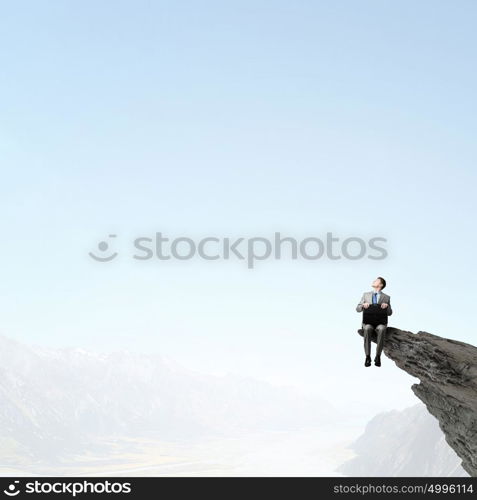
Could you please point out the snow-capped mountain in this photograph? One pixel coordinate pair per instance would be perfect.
(403, 443)
(55, 401)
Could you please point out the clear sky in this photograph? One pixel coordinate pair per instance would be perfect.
(238, 118)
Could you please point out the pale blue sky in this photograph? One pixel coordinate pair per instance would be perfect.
(238, 118)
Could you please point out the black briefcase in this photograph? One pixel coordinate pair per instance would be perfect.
(375, 315)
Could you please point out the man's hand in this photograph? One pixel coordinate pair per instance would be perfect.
(384, 306)
(366, 305)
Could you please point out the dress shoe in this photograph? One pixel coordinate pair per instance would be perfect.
(367, 362)
(377, 361)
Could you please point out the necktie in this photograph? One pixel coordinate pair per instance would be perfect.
(375, 298)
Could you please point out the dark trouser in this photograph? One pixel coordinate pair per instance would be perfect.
(368, 334)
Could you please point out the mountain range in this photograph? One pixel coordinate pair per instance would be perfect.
(403, 443)
(54, 402)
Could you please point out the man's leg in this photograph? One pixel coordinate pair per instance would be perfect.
(380, 335)
(368, 331)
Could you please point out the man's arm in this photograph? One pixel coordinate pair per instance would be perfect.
(359, 307)
(389, 308)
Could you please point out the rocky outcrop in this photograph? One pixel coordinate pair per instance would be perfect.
(447, 370)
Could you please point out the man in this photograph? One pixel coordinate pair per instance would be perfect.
(382, 300)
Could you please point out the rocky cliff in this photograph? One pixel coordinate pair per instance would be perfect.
(447, 370)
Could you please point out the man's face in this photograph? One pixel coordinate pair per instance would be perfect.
(377, 285)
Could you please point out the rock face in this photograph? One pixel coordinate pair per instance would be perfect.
(447, 370)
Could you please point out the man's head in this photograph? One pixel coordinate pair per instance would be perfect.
(378, 284)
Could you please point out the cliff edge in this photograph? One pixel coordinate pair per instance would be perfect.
(447, 370)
